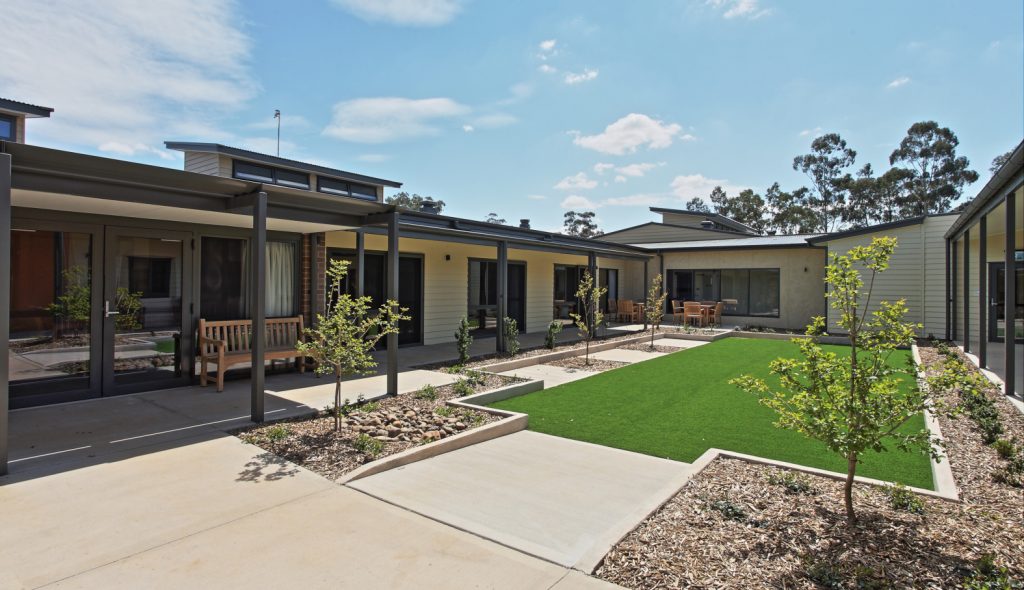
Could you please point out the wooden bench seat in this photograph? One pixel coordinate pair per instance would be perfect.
(229, 342)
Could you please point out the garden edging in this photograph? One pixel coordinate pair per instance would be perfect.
(528, 361)
(511, 422)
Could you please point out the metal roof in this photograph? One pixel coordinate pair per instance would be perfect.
(1011, 174)
(794, 241)
(717, 218)
(216, 148)
(859, 231)
(24, 108)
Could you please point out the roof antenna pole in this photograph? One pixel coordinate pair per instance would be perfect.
(277, 115)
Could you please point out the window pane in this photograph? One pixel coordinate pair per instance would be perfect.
(224, 280)
(280, 282)
(6, 127)
(292, 179)
(735, 293)
(247, 171)
(332, 186)
(51, 291)
(764, 292)
(364, 191)
(705, 285)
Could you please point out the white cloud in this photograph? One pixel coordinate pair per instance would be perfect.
(687, 186)
(536, 197)
(287, 122)
(585, 76)
(749, 9)
(578, 202)
(811, 132)
(517, 93)
(467, 128)
(637, 169)
(373, 157)
(547, 45)
(620, 178)
(418, 13)
(601, 167)
(126, 75)
(631, 132)
(494, 120)
(576, 181)
(635, 200)
(384, 119)
(901, 81)
(547, 69)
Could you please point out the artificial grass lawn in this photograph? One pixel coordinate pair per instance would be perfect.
(679, 405)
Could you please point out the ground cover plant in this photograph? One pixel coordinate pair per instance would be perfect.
(679, 405)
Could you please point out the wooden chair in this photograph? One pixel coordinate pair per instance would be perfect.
(692, 311)
(627, 310)
(613, 310)
(677, 311)
(229, 342)
(715, 317)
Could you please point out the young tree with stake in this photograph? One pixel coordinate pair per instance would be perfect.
(589, 316)
(654, 309)
(343, 340)
(852, 403)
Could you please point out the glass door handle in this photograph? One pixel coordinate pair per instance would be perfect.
(106, 310)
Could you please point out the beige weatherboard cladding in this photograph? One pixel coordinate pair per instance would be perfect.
(446, 278)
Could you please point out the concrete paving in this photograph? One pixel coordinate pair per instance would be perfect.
(679, 343)
(625, 355)
(558, 499)
(551, 375)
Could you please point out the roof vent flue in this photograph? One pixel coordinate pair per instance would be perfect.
(428, 205)
(707, 224)
(524, 223)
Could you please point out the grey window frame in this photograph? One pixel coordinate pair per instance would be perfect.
(274, 175)
(347, 191)
(747, 269)
(14, 127)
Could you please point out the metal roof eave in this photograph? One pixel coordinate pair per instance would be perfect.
(1007, 179)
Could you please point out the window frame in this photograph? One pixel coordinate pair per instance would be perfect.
(274, 175)
(718, 273)
(14, 127)
(347, 191)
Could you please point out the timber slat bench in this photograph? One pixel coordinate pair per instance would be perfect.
(229, 342)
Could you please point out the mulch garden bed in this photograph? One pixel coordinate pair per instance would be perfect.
(489, 359)
(741, 525)
(646, 347)
(578, 363)
(376, 429)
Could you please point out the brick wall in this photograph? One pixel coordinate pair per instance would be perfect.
(313, 288)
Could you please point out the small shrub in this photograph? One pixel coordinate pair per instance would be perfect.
(901, 498)
(989, 576)
(368, 445)
(825, 574)
(729, 509)
(794, 483)
(277, 433)
(445, 411)
(511, 333)
(427, 392)
(463, 387)
(553, 330)
(463, 339)
(1013, 472)
(471, 417)
(474, 377)
(368, 407)
(1005, 448)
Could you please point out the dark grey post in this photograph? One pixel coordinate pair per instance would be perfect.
(360, 259)
(952, 290)
(949, 299)
(502, 295)
(392, 285)
(5, 301)
(1010, 288)
(314, 279)
(982, 293)
(967, 291)
(592, 269)
(647, 285)
(258, 311)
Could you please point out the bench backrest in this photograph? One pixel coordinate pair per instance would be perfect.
(282, 333)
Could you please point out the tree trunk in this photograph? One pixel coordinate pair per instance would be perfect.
(851, 470)
(586, 358)
(337, 403)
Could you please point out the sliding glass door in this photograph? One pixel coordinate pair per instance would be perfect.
(482, 303)
(998, 305)
(410, 288)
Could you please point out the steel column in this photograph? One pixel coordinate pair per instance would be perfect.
(592, 269)
(647, 287)
(1010, 289)
(5, 301)
(502, 295)
(360, 259)
(392, 285)
(953, 292)
(982, 293)
(258, 309)
(967, 291)
(949, 295)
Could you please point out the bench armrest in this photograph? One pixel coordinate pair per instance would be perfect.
(203, 340)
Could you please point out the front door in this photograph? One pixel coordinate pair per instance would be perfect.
(146, 309)
(997, 310)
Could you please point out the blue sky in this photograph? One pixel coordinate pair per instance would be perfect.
(523, 108)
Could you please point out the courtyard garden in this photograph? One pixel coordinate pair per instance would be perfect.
(679, 405)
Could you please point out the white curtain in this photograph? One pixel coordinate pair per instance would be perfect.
(280, 284)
